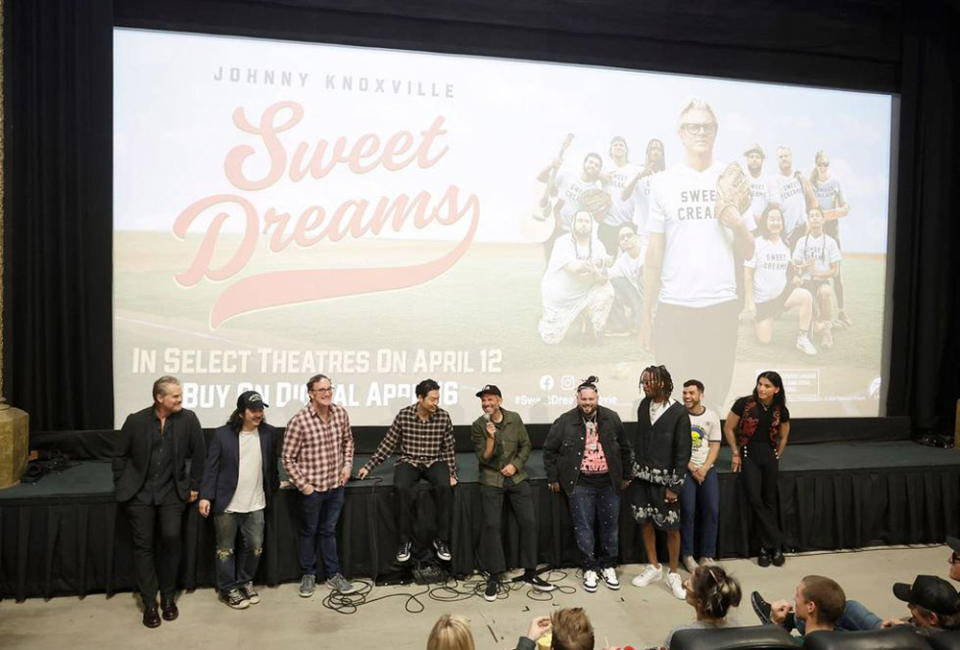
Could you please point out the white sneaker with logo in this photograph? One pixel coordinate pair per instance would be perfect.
(676, 585)
(649, 574)
(610, 577)
(590, 580)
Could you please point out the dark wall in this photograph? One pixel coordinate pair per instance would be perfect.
(57, 321)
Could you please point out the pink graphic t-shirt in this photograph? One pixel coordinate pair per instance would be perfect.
(594, 460)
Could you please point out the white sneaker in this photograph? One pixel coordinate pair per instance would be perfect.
(689, 563)
(676, 585)
(648, 575)
(804, 345)
(590, 580)
(610, 577)
(707, 561)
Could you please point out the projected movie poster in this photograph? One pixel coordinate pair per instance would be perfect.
(285, 209)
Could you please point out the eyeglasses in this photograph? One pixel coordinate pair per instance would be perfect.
(693, 128)
(322, 390)
(823, 164)
(954, 558)
(626, 235)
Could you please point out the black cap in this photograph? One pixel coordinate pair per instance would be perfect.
(251, 400)
(930, 592)
(954, 543)
(491, 390)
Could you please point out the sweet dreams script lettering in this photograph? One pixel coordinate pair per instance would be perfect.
(353, 218)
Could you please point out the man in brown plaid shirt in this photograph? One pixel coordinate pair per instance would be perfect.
(318, 457)
(424, 433)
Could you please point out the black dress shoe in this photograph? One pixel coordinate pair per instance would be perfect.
(778, 558)
(761, 607)
(151, 618)
(764, 558)
(169, 608)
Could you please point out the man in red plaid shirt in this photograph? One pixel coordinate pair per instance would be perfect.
(424, 434)
(318, 457)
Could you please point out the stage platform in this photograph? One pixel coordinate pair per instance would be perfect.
(64, 534)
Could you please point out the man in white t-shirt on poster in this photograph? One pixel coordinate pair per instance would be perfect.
(639, 185)
(816, 257)
(690, 269)
(794, 194)
(700, 496)
(570, 186)
(623, 203)
(626, 276)
(835, 207)
(761, 186)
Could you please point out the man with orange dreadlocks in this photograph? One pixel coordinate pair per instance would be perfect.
(661, 450)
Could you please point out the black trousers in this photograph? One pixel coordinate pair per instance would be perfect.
(759, 471)
(699, 342)
(156, 571)
(405, 478)
(491, 540)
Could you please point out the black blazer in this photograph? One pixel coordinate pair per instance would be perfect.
(132, 455)
(223, 465)
(563, 448)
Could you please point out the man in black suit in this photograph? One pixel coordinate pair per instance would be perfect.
(151, 481)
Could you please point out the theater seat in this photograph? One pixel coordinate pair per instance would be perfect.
(945, 640)
(758, 637)
(901, 637)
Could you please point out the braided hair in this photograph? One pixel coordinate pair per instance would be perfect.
(661, 381)
(714, 592)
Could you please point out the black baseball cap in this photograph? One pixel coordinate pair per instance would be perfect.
(491, 390)
(954, 543)
(930, 592)
(251, 400)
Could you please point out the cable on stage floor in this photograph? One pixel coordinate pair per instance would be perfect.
(451, 591)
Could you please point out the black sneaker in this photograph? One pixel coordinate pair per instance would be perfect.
(443, 551)
(493, 587)
(537, 582)
(778, 558)
(403, 553)
(761, 607)
(764, 558)
(234, 599)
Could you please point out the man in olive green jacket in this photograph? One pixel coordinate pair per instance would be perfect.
(503, 446)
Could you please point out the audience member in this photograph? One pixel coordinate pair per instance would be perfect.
(568, 629)
(451, 632)
(954, 558)
(933, 603)
(853, 617)
(711, 592)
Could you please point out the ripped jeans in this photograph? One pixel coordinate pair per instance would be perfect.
(237, 563)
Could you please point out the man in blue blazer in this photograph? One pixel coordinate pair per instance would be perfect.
(238, 485)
